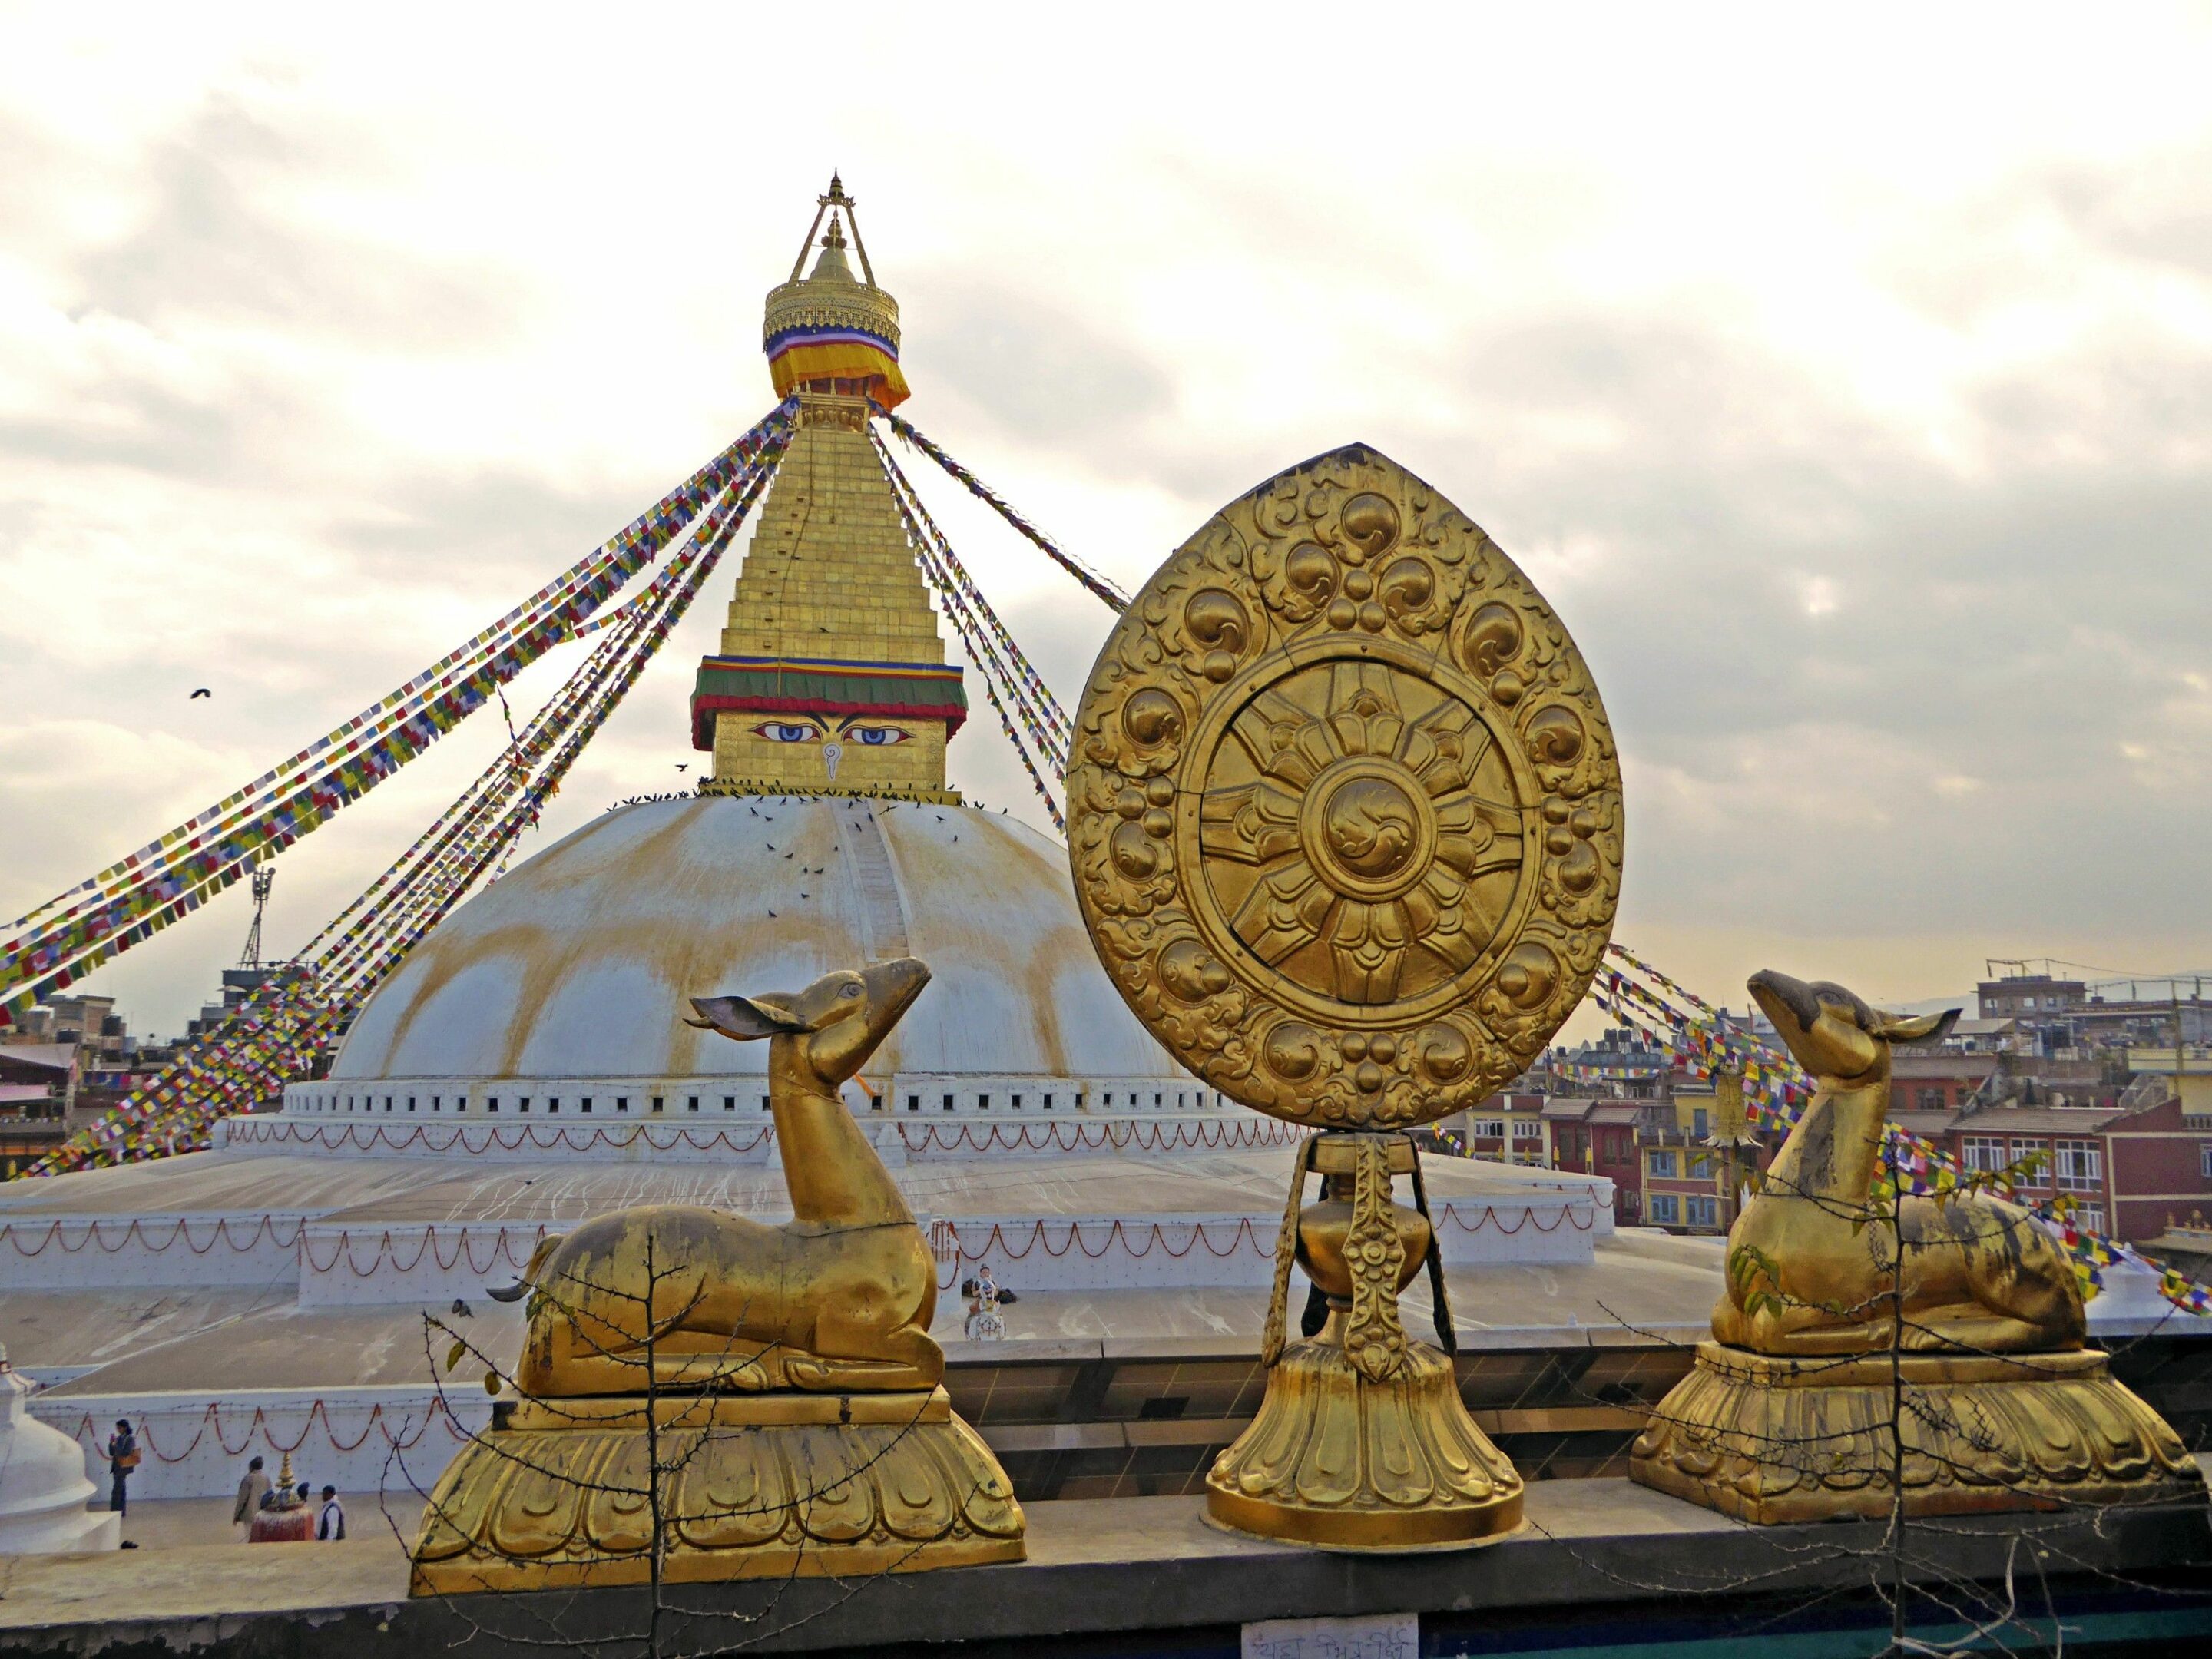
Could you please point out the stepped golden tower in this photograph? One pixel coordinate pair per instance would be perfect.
(831, 678)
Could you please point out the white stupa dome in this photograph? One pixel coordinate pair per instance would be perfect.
(570, 977)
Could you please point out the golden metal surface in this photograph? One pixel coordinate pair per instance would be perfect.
(1829, 1349)
(774, 1388)
(1338, 1460)
(1344, 807)
(1979, 1276)
(564, 1504)
(838, 1299)
(1345, 821)
(1772, 1439)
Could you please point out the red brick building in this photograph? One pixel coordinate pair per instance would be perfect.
(2128, 1170)
(1599, 1137)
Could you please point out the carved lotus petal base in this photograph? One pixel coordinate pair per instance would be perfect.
(555, 1494)
(1336, 1460)
(1774, 1440)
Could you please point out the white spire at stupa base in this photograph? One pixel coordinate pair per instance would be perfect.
(43, 1489)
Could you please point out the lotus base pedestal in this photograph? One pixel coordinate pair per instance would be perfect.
(1773, 1440)
(1339, 1460)
(559, 1492)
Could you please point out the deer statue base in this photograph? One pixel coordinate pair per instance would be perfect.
(1362, 1442)
(562, 1494)
(701, 1396)
(1774, 1439)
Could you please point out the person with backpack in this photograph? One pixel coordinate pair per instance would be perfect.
(122, 1458)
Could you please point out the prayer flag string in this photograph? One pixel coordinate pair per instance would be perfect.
(1096, 583)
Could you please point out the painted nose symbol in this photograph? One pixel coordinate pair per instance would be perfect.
(831, 754)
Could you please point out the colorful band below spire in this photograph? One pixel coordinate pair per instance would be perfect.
(781, 685)
(797, 357)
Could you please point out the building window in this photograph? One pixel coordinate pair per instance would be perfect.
(1018, 1102)
(622, 1103)
(1528, 1130)
(588, 1103)
(1047, 1103)
(1699, 1165)
(1927, 1100)
(2081, 1165)
(914, 1103)
(763, 1102)
(1662, 1165)
(692, 1102)
(2204, 1160)
(1489, 1128)
(1984, 1154)
(492, 1105)
(729, 1103)
(554, 1104)
(526, 1102)
(656, 1102)
(1703, 1211)
(983, 1102)
(1666, 1209)
(948, 1103)
(2092, 1217)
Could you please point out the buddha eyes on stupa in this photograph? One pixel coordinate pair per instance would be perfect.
(785, 731)
(877, 737)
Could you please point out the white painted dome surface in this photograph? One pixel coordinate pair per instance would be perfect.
(579, 963)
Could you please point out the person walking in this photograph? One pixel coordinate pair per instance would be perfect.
(330, 1525)
(252, 1493)
(122, 1458)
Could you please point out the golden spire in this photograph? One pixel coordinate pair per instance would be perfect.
(832, 677)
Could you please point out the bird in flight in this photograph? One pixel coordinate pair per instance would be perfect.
(202, 692)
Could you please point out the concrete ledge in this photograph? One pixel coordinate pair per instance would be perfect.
(1105, 1576)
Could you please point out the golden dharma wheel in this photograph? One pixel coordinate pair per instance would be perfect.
(1344, 807)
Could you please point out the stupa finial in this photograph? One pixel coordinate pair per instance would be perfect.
(830, 331)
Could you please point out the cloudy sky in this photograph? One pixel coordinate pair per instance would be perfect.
(1844, 378)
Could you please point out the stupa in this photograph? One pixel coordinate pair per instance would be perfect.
(826, 836)
(528, 1065)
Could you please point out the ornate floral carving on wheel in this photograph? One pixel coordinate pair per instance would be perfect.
(1344, 808)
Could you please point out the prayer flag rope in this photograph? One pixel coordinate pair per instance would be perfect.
(1097, 584)
(1046, 725)
(287, 1023)
(172, 877)
(1023, 683)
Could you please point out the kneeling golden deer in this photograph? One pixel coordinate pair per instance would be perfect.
(837, 1300)
(1814, 1262)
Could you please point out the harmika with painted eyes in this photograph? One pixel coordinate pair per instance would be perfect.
(868, 737)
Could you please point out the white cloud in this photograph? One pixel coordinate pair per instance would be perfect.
(1857, 417)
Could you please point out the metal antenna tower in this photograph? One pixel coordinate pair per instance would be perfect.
(264, 879)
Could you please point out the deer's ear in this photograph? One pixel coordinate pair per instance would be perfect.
(1919, 1028)
(742, 1017)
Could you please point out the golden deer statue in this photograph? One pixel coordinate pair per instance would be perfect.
(1812, 1259)
(837, 1300)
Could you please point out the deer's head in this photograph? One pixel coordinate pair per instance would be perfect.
(1832, 1032)
(826, 1032)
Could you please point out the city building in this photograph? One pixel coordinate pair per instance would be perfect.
(1598, 1136)
(37, 1088)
